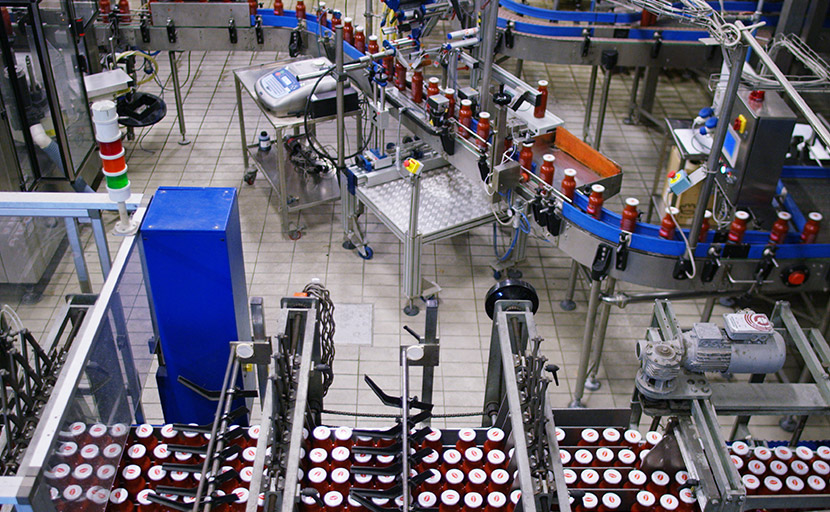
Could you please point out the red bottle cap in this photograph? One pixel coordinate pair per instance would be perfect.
(669, 502)
(646, 499)
(633, 437)
(589, 477)
(627, 457)
(450, 498)
(611, 500)
(427, 499)
(590, 435)
(473, 500)
(740, 448)
(496, 500)
(751, 482)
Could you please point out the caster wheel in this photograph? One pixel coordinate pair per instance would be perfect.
(366, 253)
(295, 234)
(510, 289)
(567, 305)
(593, 384)
(249, 177)
(496, 275)
(348, 245)
(514, 273)
(411, 310)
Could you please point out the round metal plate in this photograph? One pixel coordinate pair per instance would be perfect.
(510, 289)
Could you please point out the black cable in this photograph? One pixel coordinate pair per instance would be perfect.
(312, 139)
(326, 330)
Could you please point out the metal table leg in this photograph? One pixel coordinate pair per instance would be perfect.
(174, 74)
(633, 109)
(240, 113)
(412, 251)
(100, 235)
(587, 338)
(707, 309)
(592, 384)
(568, 303)
(603, 104)
(73, 234)
(589, 105)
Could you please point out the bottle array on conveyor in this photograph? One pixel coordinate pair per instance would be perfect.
(116, 467)
(782, 470)
(604, 469)
(469, 476)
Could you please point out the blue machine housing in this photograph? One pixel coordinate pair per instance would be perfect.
(191, 246)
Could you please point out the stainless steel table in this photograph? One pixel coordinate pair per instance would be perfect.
(295, 190)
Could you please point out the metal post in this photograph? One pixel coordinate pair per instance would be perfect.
(241, 116)
(101, 240)
(589, 105)
(368, 16)
(412, 251)
(632, 101)
(603, 104)
(486, 54)
(174, 74)
(592, 383)
(568, 303)
(405, 423)
(73, 235)
(720, 135)
(520, 64)
(587, 338)
(707, 309)
(341, 129)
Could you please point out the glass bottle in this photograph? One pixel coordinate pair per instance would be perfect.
(628, 220)
(811, 228)
(526, 156)
(483, 130)
(547, 169)
(400, 76)
(450, 95)
(322, 14)
(539, 110)
(433, 87)
(568, 185)
(465, 118)
(299, 10)
(124, 10)
(279, 8)
(738, 227)
(704, 226)
(417, 86)
(360, 39)
(667, 225)
(348, 31)
(595, 201)
(645, 502)
(336, 19)
(372, 46)
(779, 229)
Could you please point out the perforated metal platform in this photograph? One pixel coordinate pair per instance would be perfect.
(449, 204)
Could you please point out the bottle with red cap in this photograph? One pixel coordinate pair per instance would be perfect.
(340, 480)
(98, 434)
(433, 483)
(680, 479)
(737, 462)
(341, 457)
(570, 477)
(452, 459)
(68, 452)
(473, 459)
(119, 500)
(762, 453)
(778, 468)
(643, 502)
(157, 476)
(363, 481)
(568, 185)
(794, 485)
(565, 456)
(539, 110)
(450, 501)
(821, 468)
(595, 201)
(433, 440)
(430, 461)
(105, 474)
(757, 468)
(799, 468)
(465, 118)
(333, 500)
(483, 130)
(496, 459)
(317, 479)
(132, 478)
(778, 233)
(515, 497)
(383, 482)
(738, 227)
(427, 499)
(145, 434)
(741, 449)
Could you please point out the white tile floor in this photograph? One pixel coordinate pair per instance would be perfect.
(276, 266)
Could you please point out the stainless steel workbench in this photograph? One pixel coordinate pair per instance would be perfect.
(295, 190)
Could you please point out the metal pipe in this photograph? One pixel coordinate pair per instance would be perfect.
(603, 104)
(568, 302)
(805, 109)
(174, 75)
(592, 383)
(368, 16)
(341, 109)
(720, 135)
(405, 428)
(621, 300)
(589, 105)
(587, 339)
(486, 53)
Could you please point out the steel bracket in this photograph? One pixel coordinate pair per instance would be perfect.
(232, 31)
